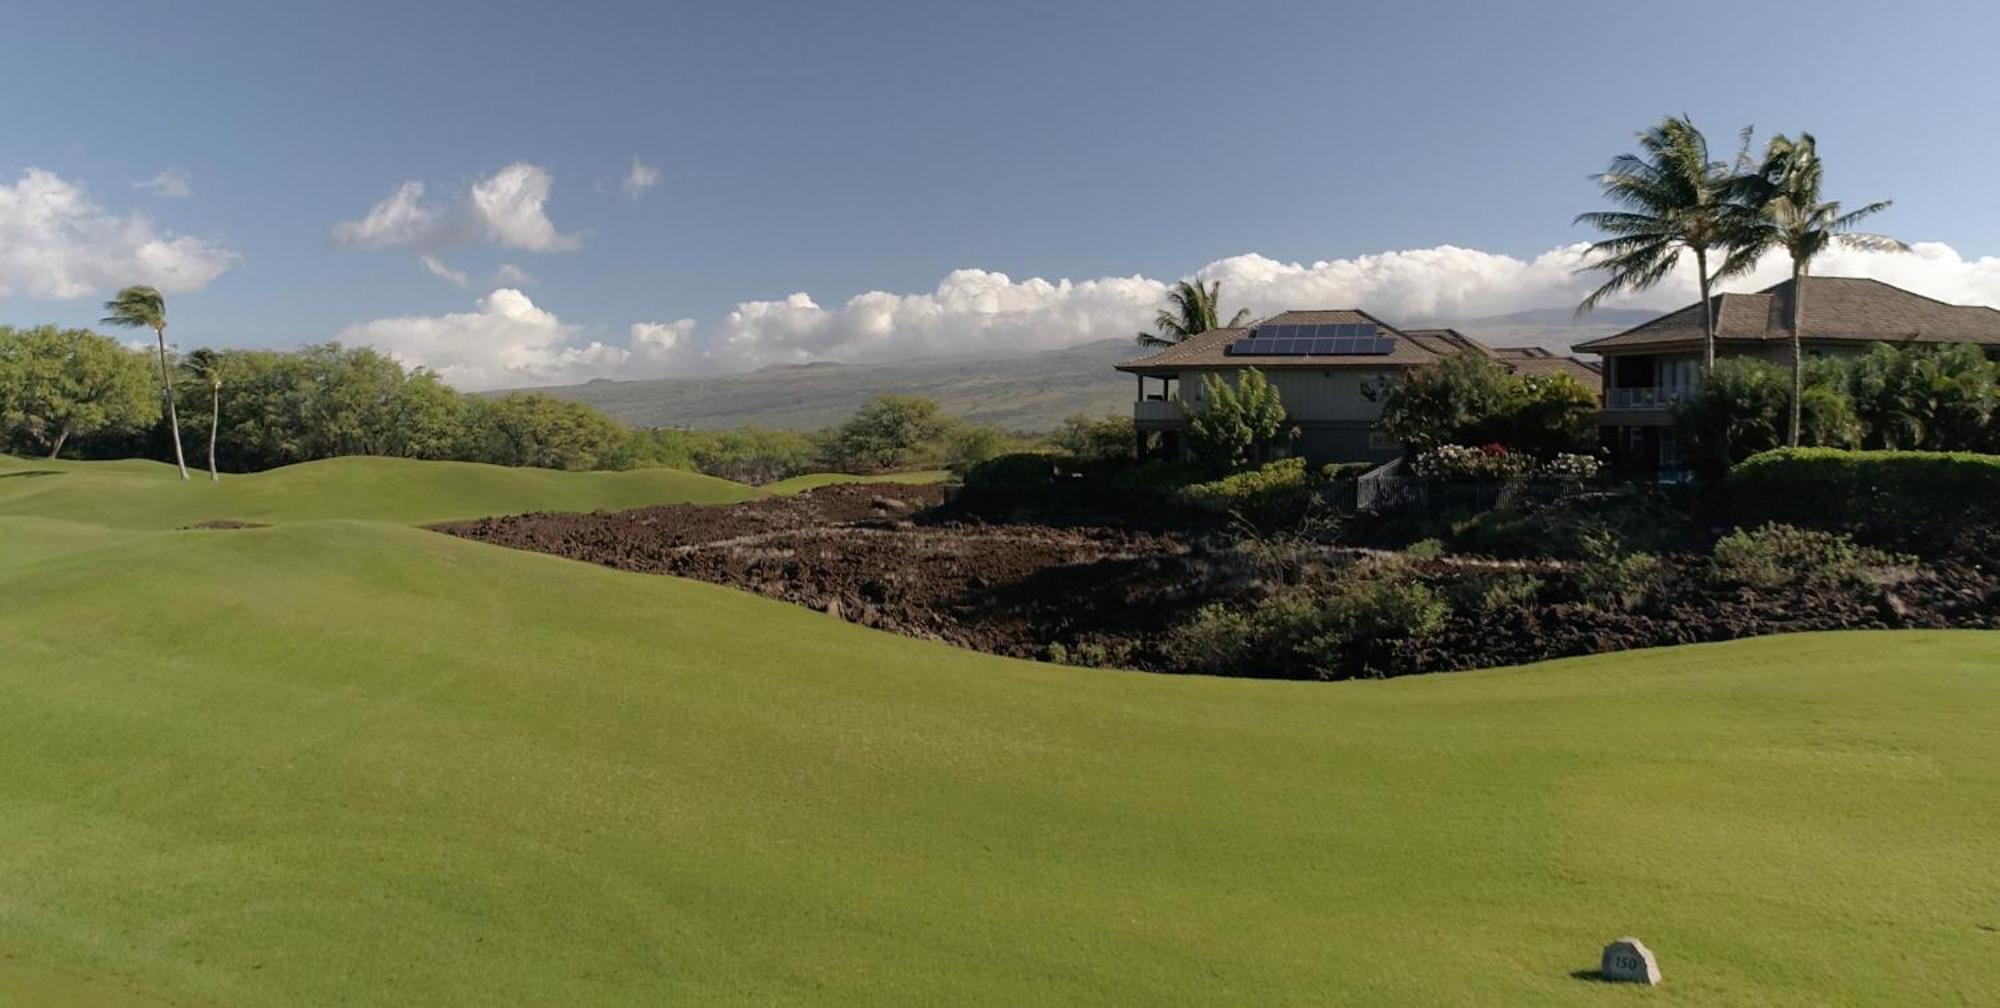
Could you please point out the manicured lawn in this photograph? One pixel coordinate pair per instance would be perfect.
(141, 494)
(337, 762)
(811, 481)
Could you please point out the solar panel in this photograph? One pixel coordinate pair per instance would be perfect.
(1341, 340)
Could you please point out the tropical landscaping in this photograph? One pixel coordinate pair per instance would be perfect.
(329, 683)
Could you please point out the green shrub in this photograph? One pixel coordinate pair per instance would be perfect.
(1775, 556)
(1240, 422)
(1322, 631)
(1276, 489)
(1904, 494)
(1489, 592)
(1091, 654)
(1425, 549)
(1612, 579)
(1216, 640)
(1009, 481)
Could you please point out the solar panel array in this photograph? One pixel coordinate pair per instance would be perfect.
(1344, 339)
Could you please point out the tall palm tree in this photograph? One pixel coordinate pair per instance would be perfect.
(146, 308)
(1194, 309)
(207, 366)
(1794, 218)
(1674, 198)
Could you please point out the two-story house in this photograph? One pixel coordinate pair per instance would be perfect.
(1651, 367)
(1331, 369)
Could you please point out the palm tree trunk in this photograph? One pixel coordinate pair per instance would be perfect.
(214, 419)
(56, 449)
(167, 393)
(1707, 312)
(1798, 347)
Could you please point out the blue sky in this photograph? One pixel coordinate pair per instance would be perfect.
(808, 148)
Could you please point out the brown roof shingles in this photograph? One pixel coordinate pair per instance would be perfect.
(1838, 309)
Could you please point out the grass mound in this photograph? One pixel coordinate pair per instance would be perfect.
(142, 494)
(345, 762)
(813, 481)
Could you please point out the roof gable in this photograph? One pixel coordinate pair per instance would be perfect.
(1837, 309)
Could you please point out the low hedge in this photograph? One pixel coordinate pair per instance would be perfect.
(1889, 492)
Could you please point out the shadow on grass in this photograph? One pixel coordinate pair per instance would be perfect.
(1590, 976)
(25, 473)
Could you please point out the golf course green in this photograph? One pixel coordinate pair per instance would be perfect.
(348, 761)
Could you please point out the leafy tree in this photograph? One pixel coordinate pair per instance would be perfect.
(885, 432)
(428, 419)
(207, 367)
(1097, 438)
(971, 444)
(146, 308)
(1549, 414)
(1673, 198)
(1244, 422)
(56, 384)
(1792, 216)
(1739, 411)
(1940, 399)
(1195, 308)
(1462, 399)
(532, 429)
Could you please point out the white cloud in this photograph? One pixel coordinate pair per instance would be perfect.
(58, 243)
(641, 178)
(510, 275)
(438, 267)
(507, 209)
(509, 206)
(506, 341)
(977, 312)
(172, 183)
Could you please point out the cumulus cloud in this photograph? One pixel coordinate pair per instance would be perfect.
(172, 183)
(978, 312)
(507, 209)
(640, 178)
(58, 243)
(505, 341)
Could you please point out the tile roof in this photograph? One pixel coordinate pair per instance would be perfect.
(1837, 309)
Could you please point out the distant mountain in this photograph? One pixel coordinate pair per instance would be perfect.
(1555, 329)
(1027, 392)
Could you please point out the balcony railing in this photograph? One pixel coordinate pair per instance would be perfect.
(1645, 398)
(1156, 410)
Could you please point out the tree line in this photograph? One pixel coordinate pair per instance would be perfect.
(78, 393)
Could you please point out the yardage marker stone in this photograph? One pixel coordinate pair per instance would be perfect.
(1629, 960)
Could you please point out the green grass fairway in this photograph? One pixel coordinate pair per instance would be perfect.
(141, 494)
(813, 481)
(363, 764)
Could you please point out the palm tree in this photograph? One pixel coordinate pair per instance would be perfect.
(1674, 199)
(1794, 218)
(1194, 310)
(146, 308)
(207, 366)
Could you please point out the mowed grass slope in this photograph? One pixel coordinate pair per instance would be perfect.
(813, 481)
(143, 494)
(355, 763)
